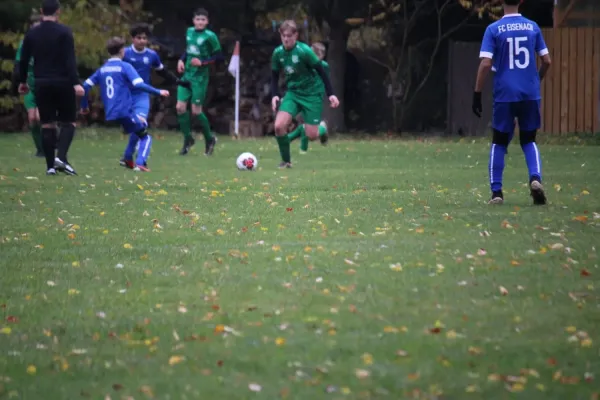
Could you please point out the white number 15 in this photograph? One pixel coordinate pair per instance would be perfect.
(514, 50)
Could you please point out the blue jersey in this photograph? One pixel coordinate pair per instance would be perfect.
(116, 79)
(512, 43)
(143, 61)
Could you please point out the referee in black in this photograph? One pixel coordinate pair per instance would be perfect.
(56, 84)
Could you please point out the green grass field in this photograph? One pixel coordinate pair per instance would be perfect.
(370, 270)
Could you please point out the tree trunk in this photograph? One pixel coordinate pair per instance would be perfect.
(336, 57)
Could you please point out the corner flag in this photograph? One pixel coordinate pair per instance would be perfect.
(234, 69)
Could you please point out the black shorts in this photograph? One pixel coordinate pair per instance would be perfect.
(56, 102)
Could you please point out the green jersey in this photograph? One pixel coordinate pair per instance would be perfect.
(30, 80)
(202, 45)
(298, 65)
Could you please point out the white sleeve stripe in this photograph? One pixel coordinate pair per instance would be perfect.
(137, 81)
(486, 54)
(160, 67)
(89, 82)
(543, 52)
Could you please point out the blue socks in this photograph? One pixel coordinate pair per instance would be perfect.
(533, 160)
(496, 166)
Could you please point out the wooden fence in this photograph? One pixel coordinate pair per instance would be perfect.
(570, 91)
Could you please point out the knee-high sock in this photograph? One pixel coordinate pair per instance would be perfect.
(36, 134)
(296, 133)
(49, 144)
(67, 132)
(533, 160)
(185, 124)
(304, 142)
(284, 148)
(144, 150)
(205, 126)
(130, 148)
(496, 166)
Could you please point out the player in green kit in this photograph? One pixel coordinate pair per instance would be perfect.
(306, 82)
(202, 49)
(300, 132)
(33, 114)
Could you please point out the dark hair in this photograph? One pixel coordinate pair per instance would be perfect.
(512, 2)
(139, 29)
(114, 45)
(201, 12)
(50, 7)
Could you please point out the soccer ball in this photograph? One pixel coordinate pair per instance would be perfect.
(246, 162)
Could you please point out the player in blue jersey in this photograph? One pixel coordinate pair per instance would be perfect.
(509, 48)
(144, 60)
(117, 80)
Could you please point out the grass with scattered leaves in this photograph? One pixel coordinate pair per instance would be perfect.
(369, 270)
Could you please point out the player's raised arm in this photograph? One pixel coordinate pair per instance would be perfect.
(542, 50)
(488, 49)
(136, 81)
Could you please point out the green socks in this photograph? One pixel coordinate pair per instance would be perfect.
(205, 125)
(296, 133)
(304, 143)
(322, 130)
(185, 124)
(36, 134)
(284, 148)
(300, 132)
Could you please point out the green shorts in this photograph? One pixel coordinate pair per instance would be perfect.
(29, 101)
(196, 94)
(311, 106)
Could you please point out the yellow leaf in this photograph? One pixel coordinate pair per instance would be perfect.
(72, 292)
(75, 264)
(31, 369)
(587, 342)
(5, 330)
(390, 329)
(471, 389)
(367, 359)
(571, 329)
(175, 360)
(279, 341)
(420, 230)
(127, 246)
(140, 187)
(451, 334)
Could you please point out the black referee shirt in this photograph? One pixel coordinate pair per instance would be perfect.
(52, 46)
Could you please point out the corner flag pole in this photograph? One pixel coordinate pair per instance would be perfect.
(234, 69)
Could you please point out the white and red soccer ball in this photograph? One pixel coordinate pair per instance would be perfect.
(246, 162)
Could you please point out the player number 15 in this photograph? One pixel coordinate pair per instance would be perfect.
(514, 49)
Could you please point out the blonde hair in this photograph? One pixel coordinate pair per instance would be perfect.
(288, 25)
(319, 49)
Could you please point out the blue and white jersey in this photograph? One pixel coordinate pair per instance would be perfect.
(143, 61)
(512, 43)
(116, 80)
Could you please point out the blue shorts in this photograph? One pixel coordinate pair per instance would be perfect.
(133, 124)
(527, 114)
(141, 104)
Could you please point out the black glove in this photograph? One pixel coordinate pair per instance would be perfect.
(185, 84)
(477, 107)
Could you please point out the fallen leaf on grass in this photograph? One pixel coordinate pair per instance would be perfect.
(176, 360)
(503, 291)
(362, 373)
(255, 387)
